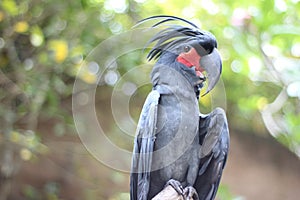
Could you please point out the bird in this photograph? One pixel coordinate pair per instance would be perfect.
(175, 144)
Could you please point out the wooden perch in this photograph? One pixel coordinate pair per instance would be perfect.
(168, 193)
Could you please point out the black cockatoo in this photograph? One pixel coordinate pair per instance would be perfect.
(175, 144)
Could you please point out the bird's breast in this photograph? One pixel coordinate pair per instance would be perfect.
(177, 128)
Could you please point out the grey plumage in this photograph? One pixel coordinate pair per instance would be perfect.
(173, 140)
(143, 148)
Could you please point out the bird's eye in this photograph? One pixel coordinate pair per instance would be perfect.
(186, 48)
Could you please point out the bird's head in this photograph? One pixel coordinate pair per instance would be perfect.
(193, 48)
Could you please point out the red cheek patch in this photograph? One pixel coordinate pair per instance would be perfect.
(190, 59)
(184, 61)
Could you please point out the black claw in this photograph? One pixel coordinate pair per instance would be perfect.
(190, 193)
(176, 185)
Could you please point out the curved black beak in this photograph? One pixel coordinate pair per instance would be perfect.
(212, 64)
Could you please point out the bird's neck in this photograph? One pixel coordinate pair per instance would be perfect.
(170, 81)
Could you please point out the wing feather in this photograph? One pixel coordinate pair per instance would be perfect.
(143, 148)
(214, 140)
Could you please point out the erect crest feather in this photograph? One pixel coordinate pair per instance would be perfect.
(170, 37)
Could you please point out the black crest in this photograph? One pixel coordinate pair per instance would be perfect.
(170, 37)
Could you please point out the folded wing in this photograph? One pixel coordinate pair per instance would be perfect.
(214, 140)
(143, 148)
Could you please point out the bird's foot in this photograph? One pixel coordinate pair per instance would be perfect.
(176, 185)
(190, 193)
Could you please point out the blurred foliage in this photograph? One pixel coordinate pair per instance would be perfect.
(43, 44)
(225, 194)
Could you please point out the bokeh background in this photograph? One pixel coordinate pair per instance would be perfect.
(43, 49)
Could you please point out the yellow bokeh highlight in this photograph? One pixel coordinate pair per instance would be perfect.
(1, 16)
(60, 49)
(25, 154)
(82, 72)
(88, 77)
(21, 27)
(261, 103)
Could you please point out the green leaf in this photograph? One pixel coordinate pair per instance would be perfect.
(10, 7)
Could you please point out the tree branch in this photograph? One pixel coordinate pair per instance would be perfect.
(168, 193)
